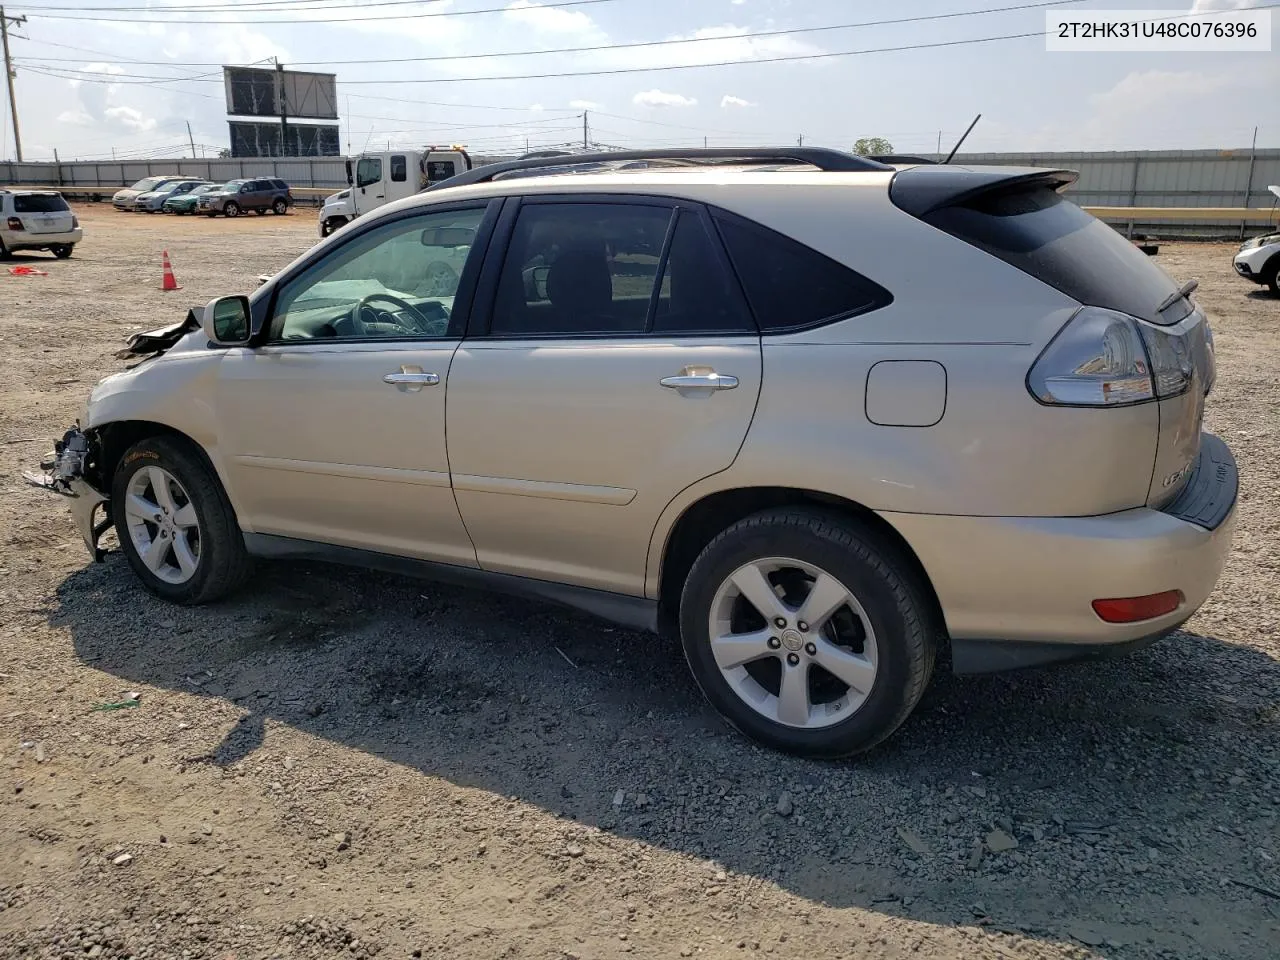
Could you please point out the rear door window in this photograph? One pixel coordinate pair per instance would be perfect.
(791, 286)
(399, 169)
(39, 203)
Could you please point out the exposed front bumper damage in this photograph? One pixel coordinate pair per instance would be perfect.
(64, 475)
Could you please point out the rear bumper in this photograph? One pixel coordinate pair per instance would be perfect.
(22, 240)
(1021, 583)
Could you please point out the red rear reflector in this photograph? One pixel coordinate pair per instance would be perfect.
(1132, 609)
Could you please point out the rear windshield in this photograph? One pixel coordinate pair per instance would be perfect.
(39, 203)
(1041, 233)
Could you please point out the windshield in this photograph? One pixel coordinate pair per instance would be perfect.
(150, 183)
(39, 203)
(206, 188)
(232, 186)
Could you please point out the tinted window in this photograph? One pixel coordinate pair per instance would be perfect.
(39, 203)
(696, 293)
(791, 286)
(397, 281)
(580, 268)
(399, 169)
(279, 184)
(1041, 233)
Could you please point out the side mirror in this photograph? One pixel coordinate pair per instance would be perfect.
(226, 321)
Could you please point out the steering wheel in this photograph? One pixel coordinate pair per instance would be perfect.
(357, 321)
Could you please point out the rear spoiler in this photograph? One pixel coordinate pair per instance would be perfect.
(921, 190)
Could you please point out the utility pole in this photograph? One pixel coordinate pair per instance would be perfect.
(584, 130)
(284, 108)
(800, 141)
(8, 74)
(192, 139)
(939, 143)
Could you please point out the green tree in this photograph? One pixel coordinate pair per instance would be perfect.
(872, 146)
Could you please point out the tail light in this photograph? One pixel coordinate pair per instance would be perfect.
(15, 224)
(75, 221)
(1105, 358)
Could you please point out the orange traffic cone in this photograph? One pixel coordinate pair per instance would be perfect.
(170, 283)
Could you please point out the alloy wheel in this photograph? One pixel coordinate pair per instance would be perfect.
(793, 643)
(163, 525)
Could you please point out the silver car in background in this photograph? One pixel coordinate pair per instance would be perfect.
(153, 201)
(714, 398)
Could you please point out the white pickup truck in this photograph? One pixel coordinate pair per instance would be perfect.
(379, 178)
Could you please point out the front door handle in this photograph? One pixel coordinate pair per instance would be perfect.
(411, 379)
(700, 381)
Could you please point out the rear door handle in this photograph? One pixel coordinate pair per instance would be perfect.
(411, 379)
(700, 381)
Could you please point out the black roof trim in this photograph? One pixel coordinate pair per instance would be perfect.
(900, 158)
(921, 190)
(828, 161)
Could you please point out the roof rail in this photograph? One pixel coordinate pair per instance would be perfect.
(900, 158)
(828, 161)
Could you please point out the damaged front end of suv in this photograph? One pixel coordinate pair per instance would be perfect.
(76, 467)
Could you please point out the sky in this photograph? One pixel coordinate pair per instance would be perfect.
(82, 91)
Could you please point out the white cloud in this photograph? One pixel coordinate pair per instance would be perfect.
(585, 105)
(78, 118)
(550, 19)
(536, 108)
(731, 101)
(132, 120)
(658, 98)
(1199, 6)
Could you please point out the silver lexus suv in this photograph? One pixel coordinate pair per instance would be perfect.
(712, 393)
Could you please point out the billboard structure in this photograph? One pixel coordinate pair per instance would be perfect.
(286, 96)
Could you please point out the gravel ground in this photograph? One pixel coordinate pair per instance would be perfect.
(340, 763)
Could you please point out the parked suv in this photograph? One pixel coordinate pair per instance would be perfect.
(239, 196)
(709, 397)
(37, 220)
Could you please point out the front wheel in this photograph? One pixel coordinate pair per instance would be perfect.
(280, 207)
(1271, 275)
(232, 209)
(808, 632)
(62, 250)
(175, 524)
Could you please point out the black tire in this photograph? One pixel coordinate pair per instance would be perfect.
(1271, 275)
(898, 607)
(260, 211)
(280, 207)
(63, 250)
(232, 209)
(4, 251)
(223, 564)
(212, 214)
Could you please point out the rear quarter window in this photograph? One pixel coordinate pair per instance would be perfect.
(790, 286)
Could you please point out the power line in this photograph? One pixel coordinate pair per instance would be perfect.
(551, 4)
(790, 58)
(645, 44)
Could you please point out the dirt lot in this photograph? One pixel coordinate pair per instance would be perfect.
(347, 764)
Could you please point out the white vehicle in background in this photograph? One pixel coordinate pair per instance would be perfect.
(379, 178)
(37, 220)
(1259, 258)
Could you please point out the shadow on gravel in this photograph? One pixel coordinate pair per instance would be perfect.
(1136, 789)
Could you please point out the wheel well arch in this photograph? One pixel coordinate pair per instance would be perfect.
(113, 439)
(706, 518)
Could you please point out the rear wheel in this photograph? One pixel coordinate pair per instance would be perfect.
(280, 207)
(175, 524)
(62, 250)
(4, 251)
(232, 209)
(260, 211)
(808, 632)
